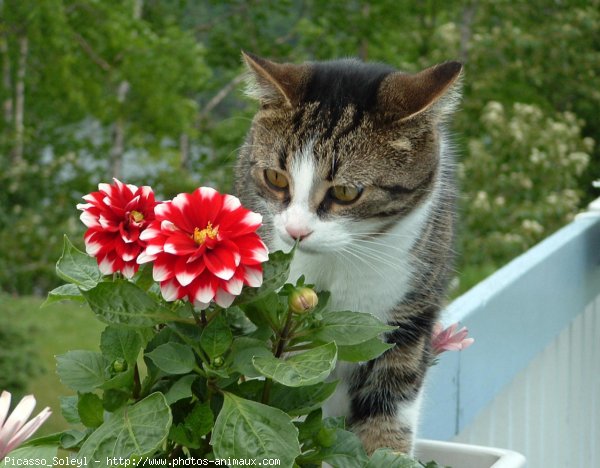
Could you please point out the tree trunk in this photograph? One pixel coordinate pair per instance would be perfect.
(468, 14)
(17, 155)
(7, 104)
(118, 146)
(184, 148)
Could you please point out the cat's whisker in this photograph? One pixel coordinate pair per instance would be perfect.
(364, 260)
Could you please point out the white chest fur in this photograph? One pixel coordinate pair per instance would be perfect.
(364, 272)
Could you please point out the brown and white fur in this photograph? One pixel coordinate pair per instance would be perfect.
(345, 123)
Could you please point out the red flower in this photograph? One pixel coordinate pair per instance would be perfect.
(115, 216)
(205, 247)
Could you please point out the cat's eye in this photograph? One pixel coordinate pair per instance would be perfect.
(345, 194)
(276, 179)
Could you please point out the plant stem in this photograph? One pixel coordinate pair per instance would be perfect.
(137, 386)
(279, 347)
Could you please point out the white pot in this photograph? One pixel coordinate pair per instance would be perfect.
(467, 456)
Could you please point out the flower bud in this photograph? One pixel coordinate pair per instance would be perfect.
(303, 300)
(218, 361)
(119, 365)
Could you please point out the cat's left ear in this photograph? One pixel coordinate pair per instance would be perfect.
(409, 95)
(274, 83)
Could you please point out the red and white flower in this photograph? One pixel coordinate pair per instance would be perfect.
(204, 247)
(115, 216)
(450, 339)
(14, 431)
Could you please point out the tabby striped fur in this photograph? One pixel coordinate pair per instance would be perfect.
(389, 252)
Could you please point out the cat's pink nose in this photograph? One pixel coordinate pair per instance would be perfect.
(298, 233)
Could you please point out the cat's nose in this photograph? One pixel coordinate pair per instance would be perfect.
(298, 233)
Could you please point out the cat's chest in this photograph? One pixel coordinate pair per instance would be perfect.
(357, 283)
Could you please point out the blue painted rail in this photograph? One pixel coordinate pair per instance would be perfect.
(513, 315)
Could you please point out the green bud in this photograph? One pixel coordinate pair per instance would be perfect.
(218, 361)
(119, 365)
(303, 300)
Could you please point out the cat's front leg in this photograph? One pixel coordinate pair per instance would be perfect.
(385, 398)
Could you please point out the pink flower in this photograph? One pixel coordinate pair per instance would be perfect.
(14, 431)
(204, 247)
(449, 339)
(115, 216)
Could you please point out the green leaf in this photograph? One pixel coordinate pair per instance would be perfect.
(297, 401)
(311, 425)
(349, 328)
(275, 274)
(244, 349)
(363, 351)
(173, 358)
(120, 342)
(113, 399)
(132, 431)
(122, 302)
(90, 409)
(143, 278)
(346, 451)
(68, 408)
(216, 337)
(251, 430)
(72, 438)
(307, 368)
(40, 454)
(181, 389)
(66, 292)
(201, 420)
(386, 457)
(77, 267)
(196, 424)
(82, 371)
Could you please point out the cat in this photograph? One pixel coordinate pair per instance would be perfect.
(352, 160)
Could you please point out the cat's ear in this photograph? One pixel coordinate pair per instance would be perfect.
(410, 94)
(274, 83)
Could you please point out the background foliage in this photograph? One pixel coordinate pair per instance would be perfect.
(150, 91)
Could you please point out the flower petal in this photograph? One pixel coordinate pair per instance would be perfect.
(234, 285)
(180, 244)
(171, 290)
(186, 272)
(252, 249)
(221, 262)
(163, 268)
(253, 276)
(203, 288)
(4, 406)
(223, 298)
(28, 429)
(16, 420)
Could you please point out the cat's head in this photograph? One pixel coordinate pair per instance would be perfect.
(341, 150)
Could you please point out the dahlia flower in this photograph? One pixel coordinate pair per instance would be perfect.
(115, 216)
(14, 431)
(204, 247)
(450, 339)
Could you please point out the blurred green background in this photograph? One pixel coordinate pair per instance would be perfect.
(150, 91)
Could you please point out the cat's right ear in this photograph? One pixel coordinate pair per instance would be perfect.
(274, 84)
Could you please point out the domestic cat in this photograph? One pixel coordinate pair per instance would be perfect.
(352, 159)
